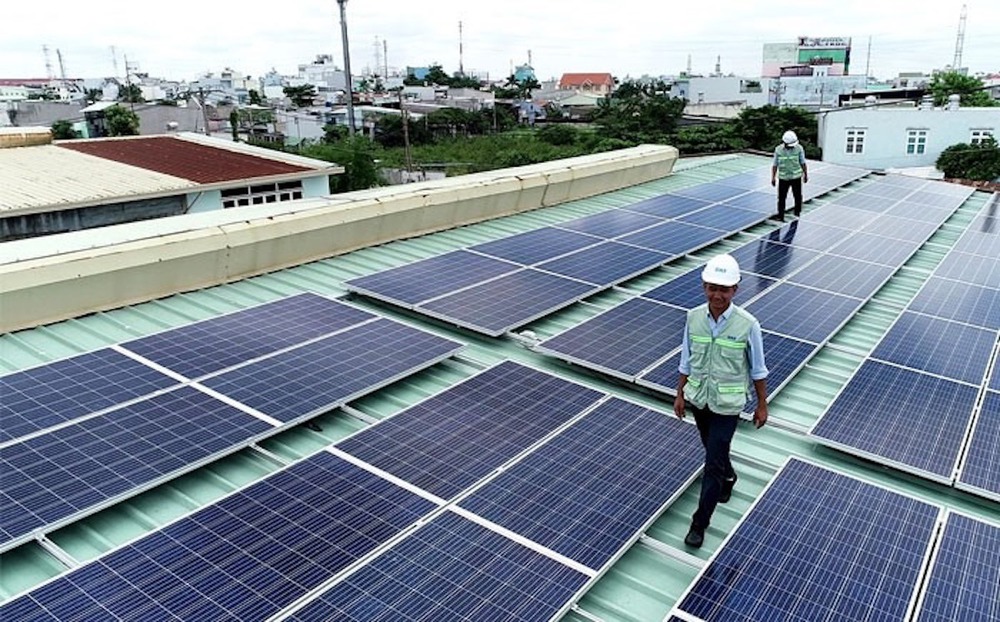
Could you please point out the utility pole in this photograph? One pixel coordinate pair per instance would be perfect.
(385, 57)
(48, 63)
(406, 134)
(959, 41)
(347, 69)
(461, 69)
(868, 61)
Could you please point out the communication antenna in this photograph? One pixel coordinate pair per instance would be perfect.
(959, 41)
(461, 70)
(48, 63)
(689, 65)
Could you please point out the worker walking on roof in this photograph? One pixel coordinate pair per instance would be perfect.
(722, 354)
(790, 170)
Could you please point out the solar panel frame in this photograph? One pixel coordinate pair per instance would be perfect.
(535, 246)
(724, 218)
(956, 300)
(755, 201)
(969, 268)
(900, 228)
(843, 275)
(843, 217)
(610, 223)
(862, 201)
(667, 205)
(979, 472)
(804, 313)
(875, 249)
(674, 238)
(606, 263)
(710, 191)
(808, 235)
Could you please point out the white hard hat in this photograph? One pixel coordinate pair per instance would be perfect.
(789, 138)
(721, 270)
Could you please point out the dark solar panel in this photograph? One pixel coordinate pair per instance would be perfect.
(450, 569)
(808, 235)
(807, 314)
(894, 415)
(589, 492)
(214, 344)
(938, 346)
(755, 201)
(245, 557)
(766, 257)
(981, 471)
(687, 290)
(995, 380)
(605, 264)
(42, 397)
(842, 275)
(675, 238)
(51, 478)
(430, 278)
(318, 376)
(623, 340)
(667, 206)
(784, 357)
(611, 223)
(510, 301)
(955, 300)
(534, 246)
(970, 269)
(724, 218)
(450, 441)
(875, 248)
(963, 579)
(664, 376)
(806, 553)
(710, 191)
(840, 216)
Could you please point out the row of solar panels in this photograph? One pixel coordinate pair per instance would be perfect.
(85, 432)
(496, 286)
(821, 545)
(501, 498)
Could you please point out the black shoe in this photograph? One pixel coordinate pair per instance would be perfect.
(695, 537)
(727, 489)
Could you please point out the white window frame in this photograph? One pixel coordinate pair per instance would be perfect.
(855, 140)
(258, 194)
(979, 135)
(916, 141)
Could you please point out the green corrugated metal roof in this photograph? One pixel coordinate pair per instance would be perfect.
(648, 579)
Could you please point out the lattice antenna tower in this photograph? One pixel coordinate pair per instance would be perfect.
(48, 63)
(461, 69)
(959, 40)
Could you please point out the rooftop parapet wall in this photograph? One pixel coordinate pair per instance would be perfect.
(57, 277)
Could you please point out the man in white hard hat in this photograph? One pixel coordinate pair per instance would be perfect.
(789, 168)
(722, 355)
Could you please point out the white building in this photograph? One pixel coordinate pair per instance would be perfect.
(895, 137)
(753, 92)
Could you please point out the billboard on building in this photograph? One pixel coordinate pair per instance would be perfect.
(832, 51)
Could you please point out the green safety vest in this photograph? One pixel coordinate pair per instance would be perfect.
(789, 166)
(720, 368)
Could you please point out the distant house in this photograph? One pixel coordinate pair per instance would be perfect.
(596, 83)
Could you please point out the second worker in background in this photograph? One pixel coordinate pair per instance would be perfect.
(789, 167)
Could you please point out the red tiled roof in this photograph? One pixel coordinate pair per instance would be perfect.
(185, 159)
(575, 79)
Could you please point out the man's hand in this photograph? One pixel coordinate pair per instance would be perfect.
(760, 414)
(805, 178)
(679, 406)
(773, 183)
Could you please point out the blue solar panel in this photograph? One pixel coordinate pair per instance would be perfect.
(611, 223)
(982, 237)
(838, 216)
(724, 218)
(764, 202)
(937, 346)
(843, 275)
(803, 553)
(451, 569)
(995, 380)
(859, 200)
(512, 300)
(51, 478)
(955, 300)
(450, 441)
(710, 192)
(588, 492)
(807, 314)
(770, 259)
(808, 235)
(246, 557)
(214, 344)
(534, 246)
(970, 269)
(917, 211)
(663, 377)
(673, 237)
(430, 278)
(784, 357)
(667, 206)
(42, 397)
(981, 470)
(605, 264)
(965, 574)
(899, 228)
(891, 193)
(687, 290)
(750, 180)
(318, 376)
(876, 249)
(623, 340)
(894, 415)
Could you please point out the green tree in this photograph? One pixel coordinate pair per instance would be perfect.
(710, 138)
(436, 75)
(255, 98)
(131, 94)
(638, 113)
(761, 128)
(980, 161)
(559, 134)
(969, 89)
(63, 130)
(301, 96)
(121, 121)
(93, 95)
(234, 124)
(358, 157)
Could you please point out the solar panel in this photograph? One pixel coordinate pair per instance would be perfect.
(918, 211)
(890, 192)
(755, 201)
(451, 569)
(675, 238)
(245, 557)
(995, 380)
(899, 228)
(808, 235)
(590, 491)
(840, 216)
(981, 471)
(861, 201)
(904, 181)
(894, 415)
(771, 259)
(214, 344)
(938, 346)
(535, 246)
(687, 290)
(851, 277)
(429, 278)
(509, 301)
(663, 377)
(784, 357)
(623, 340)
(606, 263)
(876, 249)
(667, 206)
(710, 192)
(803, 553)
(50, 479)
(964, 574)
(981, 237)
(450, 441)
(611, 223)
(808, 314)
(724, 218)
(320, 375)
(970, 269)
(46, 396)
(959, 301)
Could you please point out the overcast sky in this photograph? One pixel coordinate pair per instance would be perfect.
(182, 39)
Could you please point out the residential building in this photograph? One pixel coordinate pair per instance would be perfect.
(816, 89)
(834, 53)
(752, 92)
(594, 83)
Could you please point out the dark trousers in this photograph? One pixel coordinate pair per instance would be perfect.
(783, 186)
(716, 435)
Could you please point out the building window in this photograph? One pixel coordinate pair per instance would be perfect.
(261, 193)
(916, 142)
(855, 140)
(980, 136)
